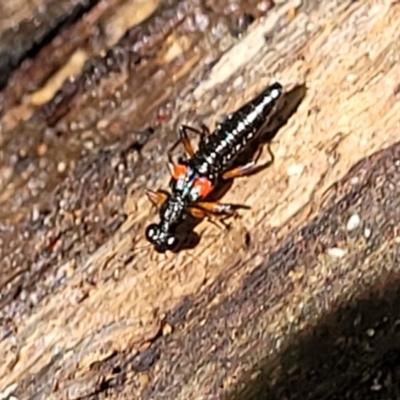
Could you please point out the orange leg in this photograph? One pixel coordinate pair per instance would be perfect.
(202, 214)
(158, 197)
(218, 208)
(210, 210)
(202, 132)
(185, 140)
(251, 167)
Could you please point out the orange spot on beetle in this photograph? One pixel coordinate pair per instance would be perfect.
(178, 171)
(203, 186)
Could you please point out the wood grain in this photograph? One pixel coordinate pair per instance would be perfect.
(296, 301)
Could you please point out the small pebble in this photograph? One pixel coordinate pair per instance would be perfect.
(370, 332)
(332, 160)
(41, 150)
(353, 222)
(295, 170)
(102, 124)
(88, 144)
(167, 329)
(354, 180)
(351, 77)
(56, 351)
(336, 252)
(62, 203)
(61, 167)
(376, 387)
(35, 214)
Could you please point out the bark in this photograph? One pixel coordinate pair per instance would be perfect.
(298, 300)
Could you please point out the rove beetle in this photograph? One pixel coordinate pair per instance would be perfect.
(195, 178)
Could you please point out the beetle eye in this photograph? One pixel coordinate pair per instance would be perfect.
(151, 232)
(171, 242)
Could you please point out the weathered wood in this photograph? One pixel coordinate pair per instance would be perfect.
(298, 300)
(21, 40)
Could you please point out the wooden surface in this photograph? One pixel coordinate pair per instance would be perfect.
(299, 300)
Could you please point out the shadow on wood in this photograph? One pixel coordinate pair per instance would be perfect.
(353, 353)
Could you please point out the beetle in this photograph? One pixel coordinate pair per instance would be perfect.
(195, 178)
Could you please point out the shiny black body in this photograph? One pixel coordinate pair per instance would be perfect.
(219, 151)
(172, 214)
(215, 155)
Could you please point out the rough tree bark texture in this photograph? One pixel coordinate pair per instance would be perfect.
(299, 300)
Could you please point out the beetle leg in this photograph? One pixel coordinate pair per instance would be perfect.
(251, 167)
(158, 197)
(185, 140)
(211, 210)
